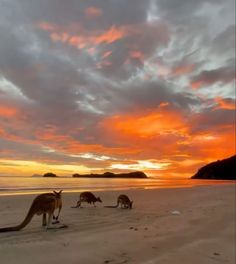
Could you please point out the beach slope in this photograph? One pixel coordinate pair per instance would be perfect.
(179, 225)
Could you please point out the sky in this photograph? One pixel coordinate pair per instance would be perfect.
(89, 86)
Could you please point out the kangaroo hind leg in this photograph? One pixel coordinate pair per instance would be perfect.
(44, 223)
(49, 223)
(79, 203)
(55, 218)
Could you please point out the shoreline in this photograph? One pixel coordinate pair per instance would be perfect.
(202, 232)
(31, 191)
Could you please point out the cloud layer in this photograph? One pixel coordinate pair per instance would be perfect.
(112, 85)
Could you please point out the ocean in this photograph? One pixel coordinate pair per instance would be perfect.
(30, 185)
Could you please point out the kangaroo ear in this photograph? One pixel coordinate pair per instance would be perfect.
(54, 192)
(60, 191)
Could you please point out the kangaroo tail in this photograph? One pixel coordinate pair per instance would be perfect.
(25, 222)
(74, 206)
(111, 206)
(77, 205)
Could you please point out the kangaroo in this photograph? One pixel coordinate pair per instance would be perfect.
(124, 202)
(43, 204)
(87, 197)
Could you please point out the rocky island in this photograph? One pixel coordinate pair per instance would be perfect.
(219, 170)
(50, 174)
(132, 175)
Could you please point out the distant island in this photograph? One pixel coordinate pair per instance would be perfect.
(219, 170)
(50, 174)
(132, 175)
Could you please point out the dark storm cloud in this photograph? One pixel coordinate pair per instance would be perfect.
(223, 44)
(143, 41)
(181, 10)
(156, 92)
(213, 121)
(204, 28)
(36, 68)
(222, 75)
(44, 70)
(72, 11)
(45, 76)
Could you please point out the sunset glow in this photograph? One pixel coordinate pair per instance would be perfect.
(116, 86)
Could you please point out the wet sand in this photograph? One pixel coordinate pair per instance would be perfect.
(201, 230)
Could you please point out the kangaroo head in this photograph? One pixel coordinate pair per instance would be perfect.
(99, 199)
(58, 194)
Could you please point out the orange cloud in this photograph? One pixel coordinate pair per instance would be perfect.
(158, 142)
(67, 144)
(6, 111)
(93, 11)
(85, 39)
(219, 146)
(135, 54)
(163, 104)
(196, 84)
(78, 41)
(89, 40)
(225, 103)
(6, 135)
(111, 35)
(47, 26)
(147, 124)
(169, 133)
(63, 37)
(106, 54)
(180, 70)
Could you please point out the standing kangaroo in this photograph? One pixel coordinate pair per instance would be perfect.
(45, 203)
(124, 202)
(87, 197)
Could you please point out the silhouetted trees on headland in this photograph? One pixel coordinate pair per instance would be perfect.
(136, 174)
(219, 170)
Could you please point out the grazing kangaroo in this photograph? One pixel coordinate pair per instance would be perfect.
(45, 203)
(124, 202)
(87, 197)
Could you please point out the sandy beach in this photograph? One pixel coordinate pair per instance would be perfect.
(201, 231)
